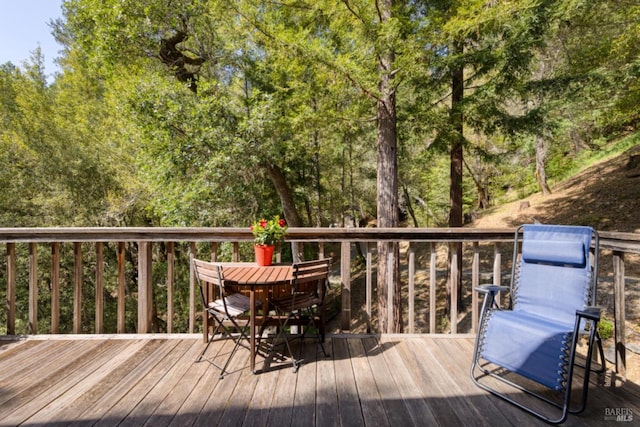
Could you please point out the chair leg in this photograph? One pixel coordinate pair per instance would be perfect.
(238, 341)
(210, 340)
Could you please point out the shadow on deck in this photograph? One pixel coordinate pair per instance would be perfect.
(367, 380)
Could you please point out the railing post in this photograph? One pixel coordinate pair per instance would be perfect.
(55, 287)
(619, 313)
(145, 288)
(11, 288)
(33, 288)
(345, 274)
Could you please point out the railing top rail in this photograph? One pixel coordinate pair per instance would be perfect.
(134, 234)
(626, 242)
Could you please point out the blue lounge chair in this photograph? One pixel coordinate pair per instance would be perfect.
(552, 297)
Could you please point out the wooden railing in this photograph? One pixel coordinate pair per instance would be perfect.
(122, 263)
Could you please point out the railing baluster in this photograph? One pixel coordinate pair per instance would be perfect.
(33, 288)
(345, 274)
(171, 260)
(454, 287)
(55, 287)
(497, 270)
(369, 283)
(412, 296)
(236, 252)
(99, 288)
(475, 281)
(619, 310)
(192, 290)
(432, 287)
(11, 288)
(121, 288)
(77, 287)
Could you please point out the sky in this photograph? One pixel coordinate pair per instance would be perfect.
(24, 27)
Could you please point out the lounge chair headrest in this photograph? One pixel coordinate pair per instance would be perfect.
(554, 252)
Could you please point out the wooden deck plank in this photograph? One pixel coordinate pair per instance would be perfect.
(222, 394)
(31, 354)
(36, 398)
(191, 408)
(390, 395)
(69, 402)
(326, 394)
(371, 405)
(170, 369)
(419, 411)
(304, 402)
(346, 389)
(106, 395)
(447, 366)
(20, 378)
(433, 382)
(31, 384)
(241, 392)
(458, 353)
(127, 402)
(260, 404)
(98, 393)
(281, 411)
(368, 380)
(172, 390)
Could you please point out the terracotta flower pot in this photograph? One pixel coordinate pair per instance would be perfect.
(264, 254)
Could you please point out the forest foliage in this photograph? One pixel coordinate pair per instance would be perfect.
(196, 113)
(218, 113)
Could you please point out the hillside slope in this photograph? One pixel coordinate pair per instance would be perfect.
(605, 196)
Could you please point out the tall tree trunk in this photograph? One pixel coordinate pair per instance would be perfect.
(541, 173)
(279, 181)
(457, 161)
(389, 312)
(291, 215)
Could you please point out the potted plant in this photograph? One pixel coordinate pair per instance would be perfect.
(266, 234)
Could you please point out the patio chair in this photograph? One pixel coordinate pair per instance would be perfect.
(552, 297)
(227, 309)
(304, 306)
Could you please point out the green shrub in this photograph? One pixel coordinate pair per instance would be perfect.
(605, 328)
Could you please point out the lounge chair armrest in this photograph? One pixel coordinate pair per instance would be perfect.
(591, 313)
(491, 289)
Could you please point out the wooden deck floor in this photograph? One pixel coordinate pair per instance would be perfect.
(366, 381)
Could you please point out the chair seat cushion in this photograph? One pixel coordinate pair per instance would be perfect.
(529, 345)
(236, 304)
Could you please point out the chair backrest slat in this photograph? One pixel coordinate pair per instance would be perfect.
(308, 273)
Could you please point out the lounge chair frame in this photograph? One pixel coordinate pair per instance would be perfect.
(586, 321)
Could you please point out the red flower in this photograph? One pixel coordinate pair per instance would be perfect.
(282, 222)
(263, 223)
